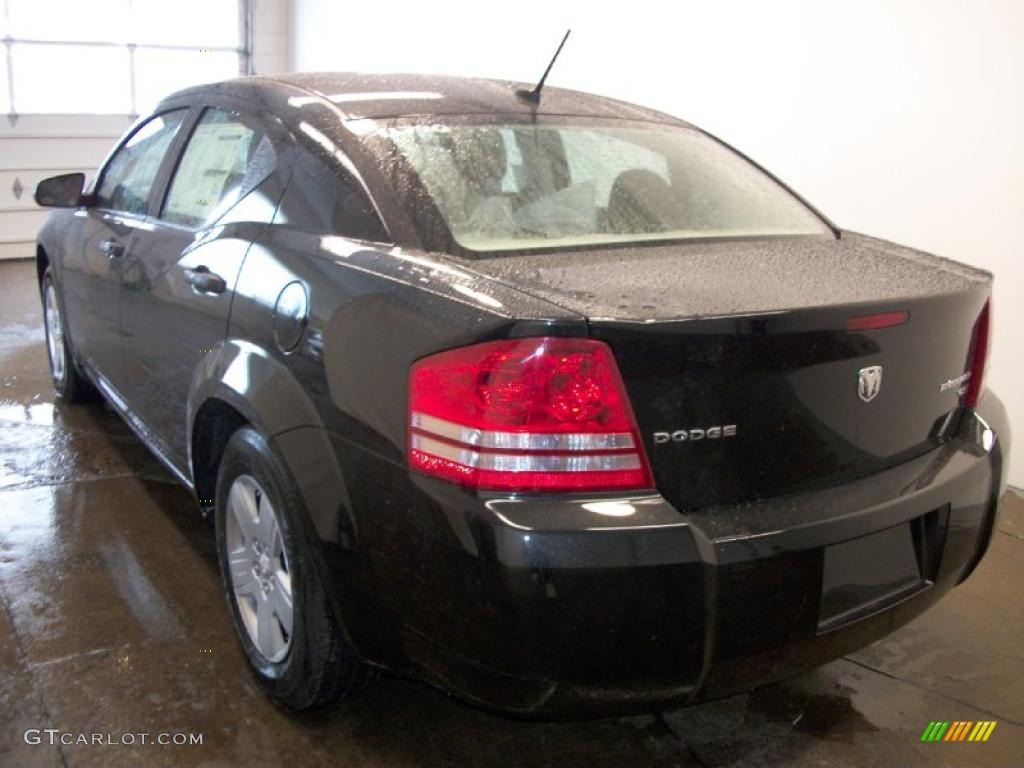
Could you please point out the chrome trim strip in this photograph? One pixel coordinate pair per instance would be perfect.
(507, 462)
(522, 441)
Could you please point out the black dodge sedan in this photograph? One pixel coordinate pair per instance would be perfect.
(562, 405)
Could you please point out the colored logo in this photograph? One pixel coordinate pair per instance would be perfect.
(959, 730)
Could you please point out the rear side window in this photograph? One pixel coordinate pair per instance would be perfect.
(128, 177)
(225, 159)
(329, 201)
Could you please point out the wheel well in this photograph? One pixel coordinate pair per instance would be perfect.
(42, 262)
(214, 424)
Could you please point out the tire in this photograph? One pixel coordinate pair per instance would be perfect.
(69, 382)
(265, 555)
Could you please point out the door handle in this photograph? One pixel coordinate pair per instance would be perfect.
(203, 280)
(112, 248)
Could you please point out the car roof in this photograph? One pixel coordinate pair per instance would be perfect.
(380, 96)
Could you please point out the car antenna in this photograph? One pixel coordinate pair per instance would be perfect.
(534, 95)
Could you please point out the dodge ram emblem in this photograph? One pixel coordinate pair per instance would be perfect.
(869, 382)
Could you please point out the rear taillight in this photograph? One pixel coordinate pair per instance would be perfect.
(541, 414)
(979, 361)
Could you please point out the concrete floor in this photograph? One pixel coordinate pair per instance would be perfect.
(112, 621)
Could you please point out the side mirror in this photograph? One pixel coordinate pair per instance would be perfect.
(64, 191)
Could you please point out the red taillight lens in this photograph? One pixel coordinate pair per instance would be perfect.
(542, 414)
(979, 362)
(876, 322)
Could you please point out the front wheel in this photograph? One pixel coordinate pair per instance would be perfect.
(277, 599)
(68, 381)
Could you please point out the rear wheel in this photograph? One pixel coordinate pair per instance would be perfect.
(68, 381)
(276, 596)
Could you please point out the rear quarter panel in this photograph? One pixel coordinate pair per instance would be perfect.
(335, 405)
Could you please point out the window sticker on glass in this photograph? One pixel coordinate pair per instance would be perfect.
(212, 174)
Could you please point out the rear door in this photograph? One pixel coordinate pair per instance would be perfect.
(179, 275)
(100, 235)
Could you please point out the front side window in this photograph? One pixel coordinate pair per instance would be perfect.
(515, 187)
(128, 177)
(226, 158)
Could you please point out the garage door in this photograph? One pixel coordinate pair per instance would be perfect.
(33, 147)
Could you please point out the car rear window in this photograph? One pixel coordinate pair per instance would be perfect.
(524, 186)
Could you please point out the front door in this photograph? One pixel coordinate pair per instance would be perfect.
(99, 237)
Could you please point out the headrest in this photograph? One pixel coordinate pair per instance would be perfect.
(479, 154)
(641, 201)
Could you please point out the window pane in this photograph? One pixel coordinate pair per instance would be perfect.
(159, 73)
(591, 185)
(224, 160)
(202, 23)
(600, 159)
(45, 79)
(96, 20)
(128, 177)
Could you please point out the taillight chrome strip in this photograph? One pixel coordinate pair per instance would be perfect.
(522, 441)
(519, 462)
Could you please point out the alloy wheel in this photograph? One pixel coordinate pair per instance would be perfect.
(258, 566)
(54, 333)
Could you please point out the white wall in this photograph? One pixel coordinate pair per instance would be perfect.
(270, 36)
(902, 119)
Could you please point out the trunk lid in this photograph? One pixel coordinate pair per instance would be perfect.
(739, 352)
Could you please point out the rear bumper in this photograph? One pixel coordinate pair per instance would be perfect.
(541, 606)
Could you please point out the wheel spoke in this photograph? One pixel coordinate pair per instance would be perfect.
(265, 628)
(242, 506)
(281, 599)
(247, 608)
(277, 546)
(243, 579)
(266, 525)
